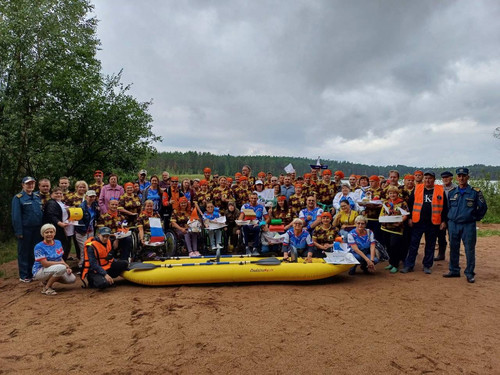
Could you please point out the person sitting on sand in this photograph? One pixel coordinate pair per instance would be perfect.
(99, 265)
(362, 244)
(298, 242)
(49, 266)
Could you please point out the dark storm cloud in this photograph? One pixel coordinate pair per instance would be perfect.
(335, 78)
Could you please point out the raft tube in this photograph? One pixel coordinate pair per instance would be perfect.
(238, 272)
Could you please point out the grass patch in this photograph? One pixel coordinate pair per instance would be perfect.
(488, 232)
(8, 252)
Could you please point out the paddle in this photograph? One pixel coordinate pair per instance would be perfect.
(206, 256)
(150, 266)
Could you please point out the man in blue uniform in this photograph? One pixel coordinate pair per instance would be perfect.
(27, 221)
(466, 206)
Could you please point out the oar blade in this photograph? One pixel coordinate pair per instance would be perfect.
(268, 261)
(141, 266)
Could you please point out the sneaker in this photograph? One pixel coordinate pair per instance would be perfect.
(197, 254)
(427, 270)
(248, 251)
(406, 270)
(389, 267)
(191, 254)
(451, 274)
(471, 279)
(255, 253)
(394, 270)
(151, 255)
(26, 280)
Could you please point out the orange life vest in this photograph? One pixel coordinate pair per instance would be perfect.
(437, 204)
(101, 253)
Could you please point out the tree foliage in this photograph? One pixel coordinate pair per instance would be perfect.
(58, 114)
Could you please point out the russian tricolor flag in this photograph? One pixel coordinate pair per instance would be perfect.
(157, 234)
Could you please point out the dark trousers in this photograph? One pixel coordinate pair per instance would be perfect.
(25, 251)
(100, 282)
(406, 240)
(441, 239)
(125, 247)
(394, 244)
(374, 226)
(467, 233)
(251, 233)
(430, 231)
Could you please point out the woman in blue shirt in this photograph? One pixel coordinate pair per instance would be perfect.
(49, 265)
(362, 244)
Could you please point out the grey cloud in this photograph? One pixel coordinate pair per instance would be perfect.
(272, 76)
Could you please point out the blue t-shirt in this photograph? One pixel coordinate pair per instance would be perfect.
(259, 210)
(363, 242)
(154, 195)
(299, 242)
(53, 253)
(214, 215)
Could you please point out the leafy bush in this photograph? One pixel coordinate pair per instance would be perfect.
(491, 192)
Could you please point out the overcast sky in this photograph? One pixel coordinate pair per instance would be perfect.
(376, 82)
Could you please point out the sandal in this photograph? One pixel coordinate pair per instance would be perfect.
(49, 291)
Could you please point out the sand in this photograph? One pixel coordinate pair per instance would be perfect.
(381, 323)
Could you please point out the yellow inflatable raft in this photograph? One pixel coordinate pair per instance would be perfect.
(229, 270)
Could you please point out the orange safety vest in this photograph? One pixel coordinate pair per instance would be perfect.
(437, 204)
(100, 251)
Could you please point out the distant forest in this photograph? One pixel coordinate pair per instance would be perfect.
(193, 162)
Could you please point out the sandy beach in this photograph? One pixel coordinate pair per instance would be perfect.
(381, 323)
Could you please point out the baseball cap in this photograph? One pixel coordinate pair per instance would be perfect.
(430, 173)
(143, 171)
(464, 171)
(446, 174)
(28, 179)
(91, 193)
(258, 182)
(105, 231)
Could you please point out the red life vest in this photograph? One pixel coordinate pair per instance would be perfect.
(437, 204)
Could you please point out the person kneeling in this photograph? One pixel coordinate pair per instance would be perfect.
(361, 242)
(298, 242)
(49, 266)
(99, 265)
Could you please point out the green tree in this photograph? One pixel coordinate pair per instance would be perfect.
(58, 114)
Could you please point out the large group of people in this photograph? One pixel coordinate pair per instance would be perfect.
(313, 211)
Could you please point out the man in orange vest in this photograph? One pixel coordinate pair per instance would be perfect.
(429, 212)
(99, 265)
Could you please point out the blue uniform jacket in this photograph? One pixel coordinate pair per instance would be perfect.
(26, 211)
(467, 207)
